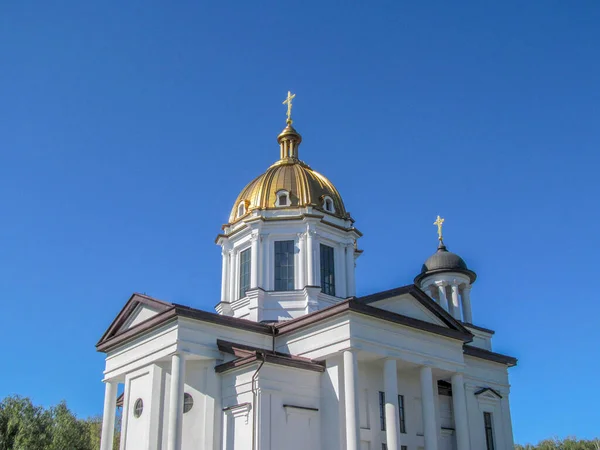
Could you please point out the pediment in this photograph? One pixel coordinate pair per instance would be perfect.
(410, 301)
(140, 313)
(407, 305)
(138, 309)
(488, 393)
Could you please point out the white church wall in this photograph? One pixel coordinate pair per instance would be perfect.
(326, 338)
(481, 338)
(142, 351)
(291, 405)
(136, 433)
(200, 337)
(332, 406)
(201, 424)
(480, 374)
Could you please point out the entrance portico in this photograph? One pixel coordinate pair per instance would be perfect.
(406, 395)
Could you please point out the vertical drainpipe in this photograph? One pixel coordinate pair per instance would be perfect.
(262, 356)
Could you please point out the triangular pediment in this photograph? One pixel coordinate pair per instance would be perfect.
(140, 313)
(138, 309)
(410, 301)
(488, 393)
(408, 306)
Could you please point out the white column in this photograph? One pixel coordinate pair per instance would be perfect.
(310, 255)
(262, 272)
(351, 284)
(442, 291)
(351, 400)
(176, 402)
(108, 417)
(233, 275)
(301, 262)
(429, 425)
(459, 405)
(455, 304)
(466, 304)
(392, 419)
(339, 261)
(224, 275)
(254, 261)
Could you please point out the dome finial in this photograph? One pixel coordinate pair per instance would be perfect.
(439, 222)
(288, 102)
(289, 139)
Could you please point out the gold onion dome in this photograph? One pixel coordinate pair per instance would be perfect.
(304, 186)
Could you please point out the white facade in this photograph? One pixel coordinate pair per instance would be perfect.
(297, 368)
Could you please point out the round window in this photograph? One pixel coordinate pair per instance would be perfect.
(138, 407)
(188, 402)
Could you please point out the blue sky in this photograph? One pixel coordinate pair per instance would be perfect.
(128, 128)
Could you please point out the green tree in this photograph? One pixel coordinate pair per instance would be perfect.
(24, 426)
(570, 443)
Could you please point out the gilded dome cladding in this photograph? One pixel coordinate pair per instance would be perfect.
(305, 187)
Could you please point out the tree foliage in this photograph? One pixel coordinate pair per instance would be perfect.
(24, 426)
(569, 443)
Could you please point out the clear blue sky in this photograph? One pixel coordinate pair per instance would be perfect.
(128, 128)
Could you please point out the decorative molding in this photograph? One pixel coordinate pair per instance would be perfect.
(243, 409)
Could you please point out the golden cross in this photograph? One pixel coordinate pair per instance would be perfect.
(439, 222)
(288, 102)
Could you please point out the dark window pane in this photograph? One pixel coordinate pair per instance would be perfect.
(284, 265)
(327, 270)
(282, 200)
(244, 272)
(489, 431)
(382, 410)
(401, 414)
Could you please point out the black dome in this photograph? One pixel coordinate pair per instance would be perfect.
(444, 261)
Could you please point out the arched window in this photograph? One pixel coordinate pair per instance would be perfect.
(188, 402)
(241, 209)
(283, 198)
(328, 204)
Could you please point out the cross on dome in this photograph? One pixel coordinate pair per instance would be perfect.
(439, 222)
(288, 102)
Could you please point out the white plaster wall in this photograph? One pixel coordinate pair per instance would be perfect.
(479, 374)
(136, 431)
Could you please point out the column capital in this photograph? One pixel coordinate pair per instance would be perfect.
(466, 287)
(254, 234)
(441, 283)
(353, 350)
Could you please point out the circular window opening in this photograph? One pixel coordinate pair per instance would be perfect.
(138, 407)
(188, 402)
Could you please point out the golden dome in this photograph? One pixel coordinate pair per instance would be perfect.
(291, 178)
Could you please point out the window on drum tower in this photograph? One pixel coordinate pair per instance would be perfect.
(284, 265)
(244, 272)
(489, 431)
(327, 270)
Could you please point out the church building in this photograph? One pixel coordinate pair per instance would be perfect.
(293, 359)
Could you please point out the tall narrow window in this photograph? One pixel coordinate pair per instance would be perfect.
(327, 270)
(284, 265)
(489, 431)
(401, 414)
(244, 272)
(382, 410)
